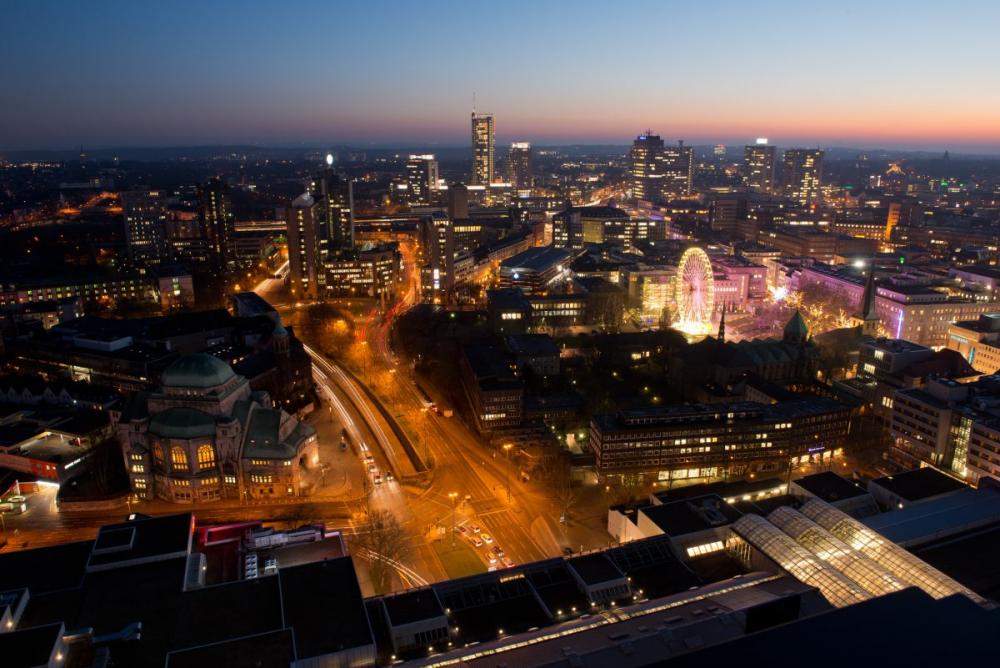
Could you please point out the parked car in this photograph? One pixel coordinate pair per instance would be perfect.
(475, 541)
(491, 558)
(486, 538)
(497, 550)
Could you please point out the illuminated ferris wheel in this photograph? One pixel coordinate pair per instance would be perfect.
(695, 289)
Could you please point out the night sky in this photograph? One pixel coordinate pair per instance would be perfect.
(906, 74)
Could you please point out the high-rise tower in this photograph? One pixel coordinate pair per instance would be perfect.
(520, 165)
(803, 172)
(483, 149)
(758, 166)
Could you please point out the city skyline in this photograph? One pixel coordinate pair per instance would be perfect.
(191, 75)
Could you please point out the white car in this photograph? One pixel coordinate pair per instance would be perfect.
(476, 541)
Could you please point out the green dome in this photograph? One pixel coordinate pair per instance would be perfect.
(199, 370)
(182, 423)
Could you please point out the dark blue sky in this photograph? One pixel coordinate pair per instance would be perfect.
(113, 73)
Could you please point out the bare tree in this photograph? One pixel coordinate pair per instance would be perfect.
(557, 474)
(385, 541)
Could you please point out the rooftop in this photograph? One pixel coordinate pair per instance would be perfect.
(690, 515)
(830, 487)
(918, 484)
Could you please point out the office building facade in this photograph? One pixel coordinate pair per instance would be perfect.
(758, 167)
(803, 174)
(483, 149)
(145, 215)
(421, 178)
(519, 161)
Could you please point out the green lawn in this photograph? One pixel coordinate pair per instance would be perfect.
(460, 561)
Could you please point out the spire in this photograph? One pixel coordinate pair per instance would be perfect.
(796, 330)
(722, 327)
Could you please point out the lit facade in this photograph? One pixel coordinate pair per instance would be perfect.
(521, 173)
(758, 168)
(978, 341)
(145, 215)
(205, 436)
(803, 175)
(305, 246)
(483, 149)
(421, 178)
(716, 440)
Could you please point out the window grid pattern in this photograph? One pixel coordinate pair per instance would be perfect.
(873, 578)
(890, 556)
(837, 588)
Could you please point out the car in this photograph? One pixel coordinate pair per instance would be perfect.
(458, 528)
(567, 551)
(372, 468)
(388, 476)
(368, 459)
(378, 479)
(475, 541)
(491, 568)
(491, 558)
(475, 529)
(486, 538)
(507, 563)
(497, 550)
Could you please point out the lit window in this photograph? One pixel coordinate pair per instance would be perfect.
(206, 456)
(178, 458)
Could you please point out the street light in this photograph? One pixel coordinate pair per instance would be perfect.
(506, 449)
(453, 496)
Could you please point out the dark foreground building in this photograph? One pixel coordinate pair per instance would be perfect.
(160, 592)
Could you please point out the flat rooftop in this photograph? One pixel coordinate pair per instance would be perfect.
(830, 487)
(678, 518)
(922, 483)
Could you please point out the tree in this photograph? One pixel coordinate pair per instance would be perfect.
(557, 475)
(385, 542)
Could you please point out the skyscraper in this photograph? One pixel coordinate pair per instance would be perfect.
(521, 175)
(803, 172)
(647, 177)
(217, 221)
(678, 171)
(758, 166)
(421, 178)
(145, 215)
(303, 225)
(483, 142)
(335, 197)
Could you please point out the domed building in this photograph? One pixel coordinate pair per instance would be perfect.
(206, 435)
